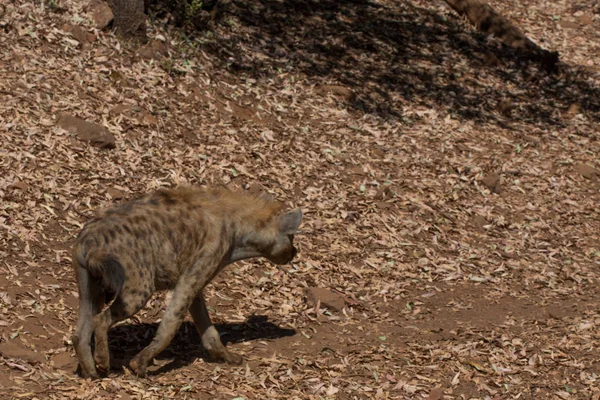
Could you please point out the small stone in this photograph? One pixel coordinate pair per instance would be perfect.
(338, 91)
(328, 299)
(383, 192)
(19, 185)
(256, 188)
(505, 107)
(153, 50)
(64, 361)
(492, 182)
(479, 222)
(318, 224)
(572, 111)
(531, 140)
(121, 109)
(490, 59)
(79, 33)
(587, 171)
(87, 131)
(116, 193)
(145, 118)
(17, 351)
(436, 394)
(586, 19)
(569, 24)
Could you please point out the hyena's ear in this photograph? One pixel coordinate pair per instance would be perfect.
(290, 222)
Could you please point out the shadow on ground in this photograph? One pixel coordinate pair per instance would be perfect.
(392, 55)
(126, 340)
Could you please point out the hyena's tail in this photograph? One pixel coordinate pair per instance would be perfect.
(90, 301)
(104, 267)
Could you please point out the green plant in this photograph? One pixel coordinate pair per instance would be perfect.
(192, 9)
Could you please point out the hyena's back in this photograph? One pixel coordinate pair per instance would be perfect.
(154, 238)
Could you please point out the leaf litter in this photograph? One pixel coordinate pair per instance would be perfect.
(458, 236)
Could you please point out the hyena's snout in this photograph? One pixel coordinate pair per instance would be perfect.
(290, 255)
(284, 257)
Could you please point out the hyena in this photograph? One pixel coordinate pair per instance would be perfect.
(170, 239)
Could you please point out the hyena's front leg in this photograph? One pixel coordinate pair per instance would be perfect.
(209, 334)
(181, 300)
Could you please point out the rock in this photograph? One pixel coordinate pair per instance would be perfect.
(384, 192)
(492, 182)
(101, 13)
(572, 111)
(328, 299)
(490, 59)
(80, 34)
(121, 109)
(586, 19)
(569, 24)
(19, 185)
(17, 351)
(338, 91)
(587, 171)
(145, 118)
(116, 193)
(505, 107)
(87, 131)
(531, 140)
(479, 222)
(64, 361)
(436, 394)
(382, 205)
(153, 50)
(256, 188)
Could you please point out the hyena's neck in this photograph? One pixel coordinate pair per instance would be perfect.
(241, 254)
(238, 235)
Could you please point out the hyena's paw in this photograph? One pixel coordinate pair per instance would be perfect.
(102, 363)
(85, 374)
(224, 355)
(138, 365)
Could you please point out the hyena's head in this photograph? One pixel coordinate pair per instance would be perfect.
(276, 240)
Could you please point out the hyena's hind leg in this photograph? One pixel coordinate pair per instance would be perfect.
(129, 301)
(211, 339)
(91, 301)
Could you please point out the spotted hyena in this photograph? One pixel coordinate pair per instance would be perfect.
(171, 239)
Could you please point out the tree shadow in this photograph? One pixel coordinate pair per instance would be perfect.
(394, 54)
(125, 341)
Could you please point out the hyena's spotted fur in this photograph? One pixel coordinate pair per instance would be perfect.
(171, 239)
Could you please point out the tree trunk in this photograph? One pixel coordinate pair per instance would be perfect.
(130, 20)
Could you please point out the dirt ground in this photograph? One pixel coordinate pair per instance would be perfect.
(450, 192)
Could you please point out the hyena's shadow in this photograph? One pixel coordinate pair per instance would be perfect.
(126, 340)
